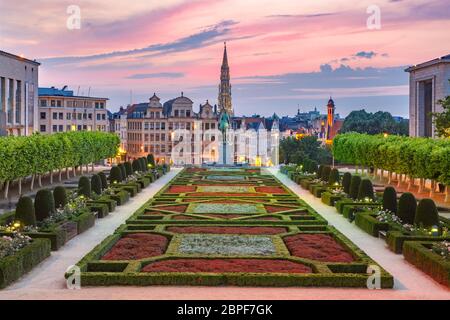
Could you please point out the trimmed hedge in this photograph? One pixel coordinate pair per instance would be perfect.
(15, 266)
(365, 190)
(115, 175)
(407, 205)
(44, 204)
(390, 199)
(346, 180)
(354, 187)
(60, 196)
(329, 198)
(368, 223)
(419, 254)
(426, 214)
(84, 221)
(25, 212)
(103, 179)
(96, 184)
(395, 239)
(84, 187)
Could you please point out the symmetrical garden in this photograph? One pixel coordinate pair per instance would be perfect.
(227, 226)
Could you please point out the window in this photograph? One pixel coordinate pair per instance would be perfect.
(152, 137)
(163, 137)
(55, 128)
(43, 115)
(103, 116)
(79, 116)
(52, 103)
(152, 114)
(58, 103)
(68, 128)
(97, 105)
(188, 113)
(42, 129)
(61, 128)
(98, 116)
(182, 113)
(157, 125)
(55, 115)
(18, 101)
(90, 116)
(102, 105)
(163, 126)
(152, 125)
(157, 115)
(176, 113)
(79, 127)
(68, 116)
(61, 116)
(145, 125)
(84, 116)
(157, 137)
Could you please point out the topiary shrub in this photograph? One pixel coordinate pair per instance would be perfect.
(25, 212)
(128, 168)
(319, 172)
(390, 199)
(142, 164)
(84, 187)
(326, 173)
(406, 209)
(103, 179)
(44, 204)
(333, 177)
(123, 171)
(60, 196)
(346, 180)
(96, 184)
(136, 165)
(426, 214)
(313, 167)
(354, 187)
(151, 160)
(115, 175)
(365, 190)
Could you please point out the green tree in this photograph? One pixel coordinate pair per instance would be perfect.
(442, 119)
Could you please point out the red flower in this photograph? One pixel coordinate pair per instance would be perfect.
(137, 246)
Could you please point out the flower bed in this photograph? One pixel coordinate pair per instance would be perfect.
(277, 190)
(321, 247)
(228, 230)
(227, 265)
(137, 246)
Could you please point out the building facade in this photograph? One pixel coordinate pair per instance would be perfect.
(60, 111)
(18, 95)
(428, 83)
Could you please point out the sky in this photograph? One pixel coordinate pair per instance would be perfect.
(283, 55)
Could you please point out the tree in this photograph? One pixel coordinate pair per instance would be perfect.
(442, 119)
(294, 150)
(374, 123)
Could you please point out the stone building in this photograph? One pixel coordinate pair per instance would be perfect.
(428, 82)
(60, 110)
(18, 95)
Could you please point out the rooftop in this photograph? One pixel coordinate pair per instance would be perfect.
(55, 92)
(443, 59)
(20, 58)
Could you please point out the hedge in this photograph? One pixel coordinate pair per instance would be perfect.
(415, 156)
(39, 154)
(15, 266)
(419, 254)
(395, 239)
(367, 222)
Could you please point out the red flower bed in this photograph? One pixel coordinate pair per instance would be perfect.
(223, 194)
(181, 189)
(224, 216)
(265, 218)
(321, 247)
(273, 209)
(137, 246)
(277, 190)
(228, 230)
(180, 208)
(183, 217)
(227, 265)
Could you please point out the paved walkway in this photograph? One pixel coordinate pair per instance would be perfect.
(46, 281)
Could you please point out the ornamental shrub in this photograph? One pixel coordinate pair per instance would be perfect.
(25, 211)
(354, 187)
(313, 167)
(96, 184)
(151, 159)
(406, 209)
(326, 173)
(346, 179)
(103, 179)
(115, 175)
(365, 190)
(426, 214)
(145, 163)
(60, 196)
(84, 187)
(44, 204)
(142, 164)
(390, 199)
(123, 171)
(319, 171)
(128, 168)
(136, 165)
(334, 176)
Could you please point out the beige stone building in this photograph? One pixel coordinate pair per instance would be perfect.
(428, 82)
(60, 111)
(18, 95)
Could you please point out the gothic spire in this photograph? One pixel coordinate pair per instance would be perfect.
(225, 87)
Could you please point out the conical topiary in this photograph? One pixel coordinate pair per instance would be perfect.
(326, 173)
(319, 172)
(123, 171)
(151, 159)
(334, 177)
(115, 175)
(354, 187)
(142, 164)
(346, 180)
(426, 214)
(136, 165)
(25, 212)
(365, 190)
(60, 196)
(84, 187)
(103, 179)
(145, 163)
(390, 199)
(96, 184)
(313, 167)
(406, 209)
(44, 204)
(128, 168)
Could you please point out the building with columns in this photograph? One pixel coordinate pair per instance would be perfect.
(60, 110)
(18, 95)
(428, 83)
